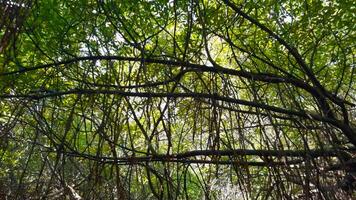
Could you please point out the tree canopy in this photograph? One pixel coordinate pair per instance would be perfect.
(177, 99)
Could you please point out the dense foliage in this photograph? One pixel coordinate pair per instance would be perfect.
(177, 99)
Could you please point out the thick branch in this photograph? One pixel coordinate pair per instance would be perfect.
(291, 50)
(187, 157)
(264, 77)
(172, 95)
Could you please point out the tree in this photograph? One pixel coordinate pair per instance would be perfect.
(177, 99)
